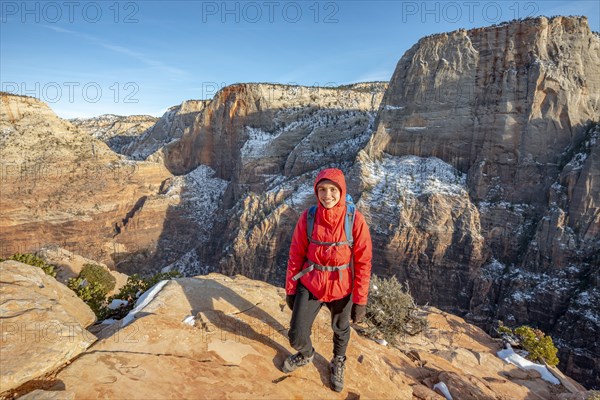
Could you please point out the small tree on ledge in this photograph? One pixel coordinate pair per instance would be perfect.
(540, 347)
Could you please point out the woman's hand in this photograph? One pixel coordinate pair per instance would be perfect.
(359, 311)
(289, 300)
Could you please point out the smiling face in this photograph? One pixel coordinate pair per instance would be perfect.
(328, 194)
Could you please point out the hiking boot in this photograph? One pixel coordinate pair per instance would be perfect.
(296, 361)
(337, 366)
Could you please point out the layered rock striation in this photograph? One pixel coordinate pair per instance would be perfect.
(63, 187)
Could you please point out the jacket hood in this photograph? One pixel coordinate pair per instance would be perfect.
(336, 176)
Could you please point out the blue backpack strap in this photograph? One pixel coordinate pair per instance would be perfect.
(348, 226)
(310, 220)
(349, 221)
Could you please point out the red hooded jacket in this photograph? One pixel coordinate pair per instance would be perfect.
(329, 227)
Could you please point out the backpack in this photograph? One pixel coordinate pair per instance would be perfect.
(348, 225)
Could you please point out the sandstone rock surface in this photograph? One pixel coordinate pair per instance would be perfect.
(238, 341)
(42, 323)
(249, 130)
(170, 127)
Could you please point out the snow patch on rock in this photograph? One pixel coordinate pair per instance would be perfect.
(142, 302)
(509, 356)
(393, 180)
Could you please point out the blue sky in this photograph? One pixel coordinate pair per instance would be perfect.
(86, 58)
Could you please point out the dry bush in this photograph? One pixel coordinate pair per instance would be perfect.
(391, 311)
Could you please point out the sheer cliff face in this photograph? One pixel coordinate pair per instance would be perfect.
(512, 108)
(171, 126)
(500, 103)
(249, 130)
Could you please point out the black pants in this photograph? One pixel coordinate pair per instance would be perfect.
(306, 309)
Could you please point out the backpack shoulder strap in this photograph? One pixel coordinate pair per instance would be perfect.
(348, 226)
(310, 221)
(349, 222)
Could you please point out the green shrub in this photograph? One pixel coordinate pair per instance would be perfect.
(539, 346)
(133, 289)
(391, 311)
(90, 287)
(504, 329)
(99, 276)
(92, 293)
(35, 261)
(593, 395)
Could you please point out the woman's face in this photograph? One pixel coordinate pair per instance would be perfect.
(328, 194)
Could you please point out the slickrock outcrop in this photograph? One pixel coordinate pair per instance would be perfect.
(42, 323)
(115, 130)
(220, 337)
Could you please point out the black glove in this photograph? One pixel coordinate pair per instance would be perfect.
(289, 299)
(359, 311)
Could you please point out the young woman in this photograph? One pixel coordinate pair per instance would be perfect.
(326, 267)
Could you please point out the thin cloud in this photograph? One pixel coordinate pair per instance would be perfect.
(123, 50)
(376, 75)
(140, 57)
(59, 29)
